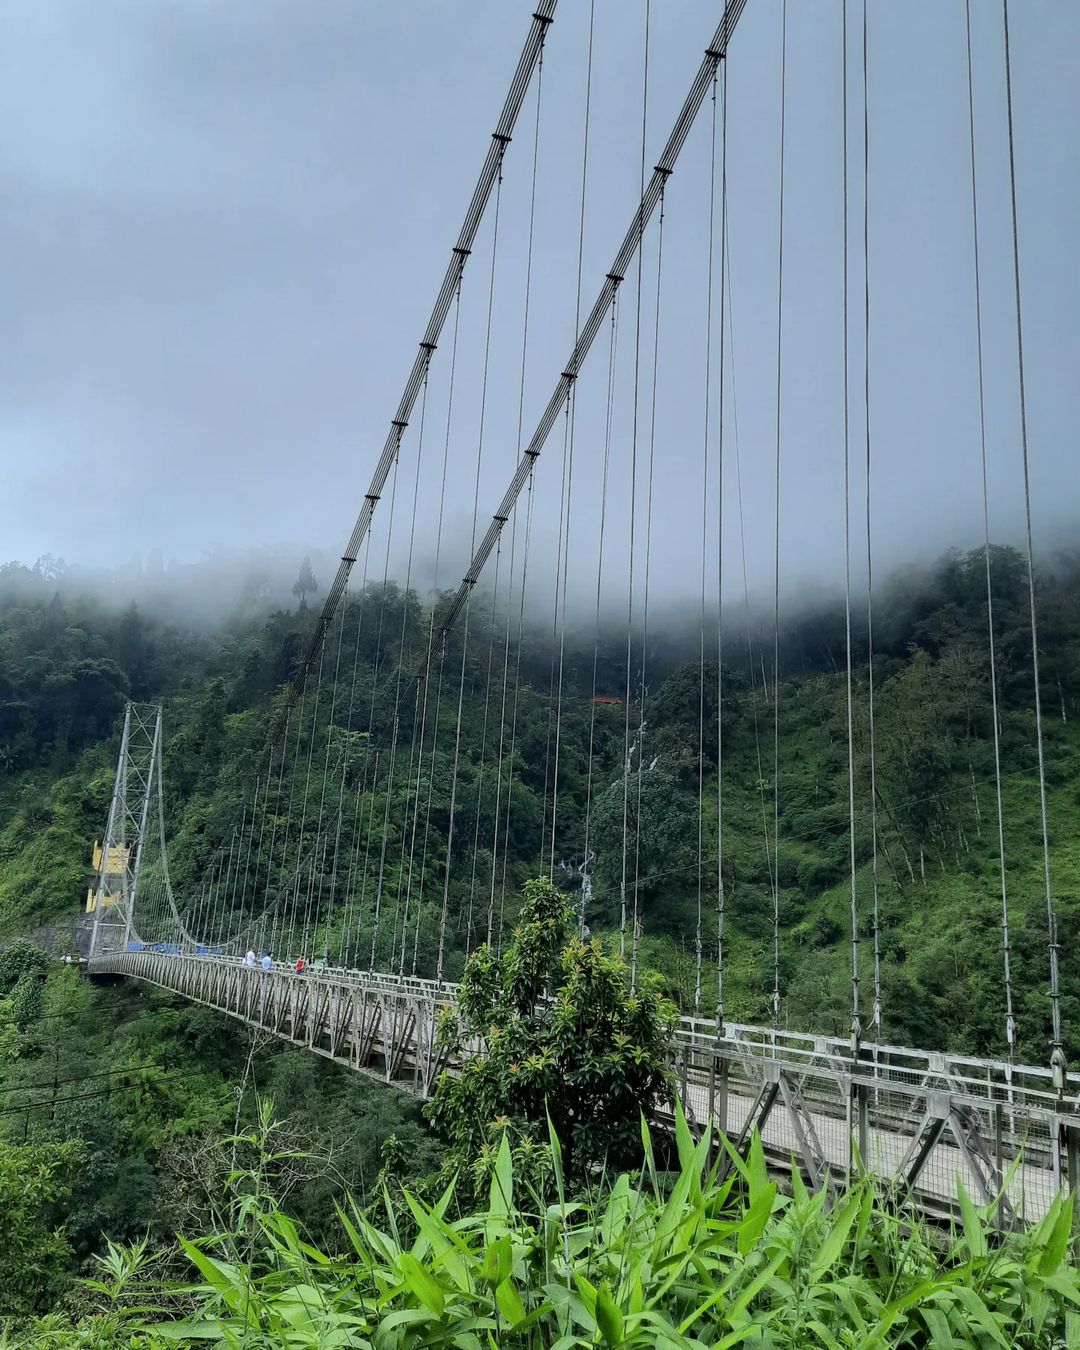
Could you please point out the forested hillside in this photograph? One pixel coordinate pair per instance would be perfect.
(115, 1099)
(67, 664)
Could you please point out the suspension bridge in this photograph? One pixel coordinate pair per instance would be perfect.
(373, 835)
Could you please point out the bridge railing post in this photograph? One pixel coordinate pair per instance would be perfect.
(858, 1129)
(1071, 1132)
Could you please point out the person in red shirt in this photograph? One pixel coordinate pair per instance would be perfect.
(300, 965)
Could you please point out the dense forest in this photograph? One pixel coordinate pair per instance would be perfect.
(67, 665)
(144, 1151)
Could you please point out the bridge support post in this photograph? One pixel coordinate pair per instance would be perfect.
(862, 1116)
(1071, 1133)
(858, 1129)
(999, 1161)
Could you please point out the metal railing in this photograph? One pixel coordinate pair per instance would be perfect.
(922, 1119)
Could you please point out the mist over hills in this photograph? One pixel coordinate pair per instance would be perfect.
(75, 645)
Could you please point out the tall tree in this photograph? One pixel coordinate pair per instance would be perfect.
(305, 584)
(564, 1036)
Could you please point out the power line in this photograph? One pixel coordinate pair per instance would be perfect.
(81, 1078)
(52, 1102)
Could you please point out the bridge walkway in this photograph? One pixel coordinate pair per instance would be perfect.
(919, 1118)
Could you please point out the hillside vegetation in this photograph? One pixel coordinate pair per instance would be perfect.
(124, 1112)
(681, 1261)
(67, 664)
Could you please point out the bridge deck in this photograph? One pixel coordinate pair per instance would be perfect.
(920, 1117)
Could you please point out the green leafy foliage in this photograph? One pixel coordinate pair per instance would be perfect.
(937, 867)
(22, 980)
(35, 1255)
(564, 1036)
(153, 1156)
(147, 1091)
(688, 1261)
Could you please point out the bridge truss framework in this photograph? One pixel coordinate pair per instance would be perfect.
(920, 1120)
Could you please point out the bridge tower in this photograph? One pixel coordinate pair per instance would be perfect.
(121, 852)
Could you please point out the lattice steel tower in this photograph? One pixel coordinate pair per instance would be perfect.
(129, 814)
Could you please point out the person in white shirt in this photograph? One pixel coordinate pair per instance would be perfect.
(267, 964)
(249, 960)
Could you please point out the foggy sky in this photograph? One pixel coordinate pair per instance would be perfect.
(223, 225)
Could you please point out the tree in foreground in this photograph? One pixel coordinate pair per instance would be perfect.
(563, 1036)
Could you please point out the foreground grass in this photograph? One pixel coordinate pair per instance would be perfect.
(700, 1259)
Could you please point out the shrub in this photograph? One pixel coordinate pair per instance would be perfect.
(695, 1260)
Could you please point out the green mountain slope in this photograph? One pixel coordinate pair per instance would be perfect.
(67, 664)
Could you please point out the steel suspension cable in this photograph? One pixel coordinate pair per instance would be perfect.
(571, 411)
(233, 915)
(375, 667)
(586, 880)
(721, 895)
(404, 907)
(223, 890)
(308, 936)
(1010, 1021)
(746, 595)
(380, 875)
(560, 552)
(277, 811)
(416, 751)
(281, 902)
(427, 811)
(367, 847)
(431, 635)
(349, 922)
(515, 97)
(513, 525)
(698, 941)
(361, 781)
(514, 712)
(182, 929)
(623, 259)
(1057, 1049)
(307, 789)
(856, 1005)
(444, 910)
(492, 617)
(776, 574)
(251, 837)
(636, 934)
(875, 911)
(343, 746)
(345, 762)
(633, 506)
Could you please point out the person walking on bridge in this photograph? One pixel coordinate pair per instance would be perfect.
(267, 963)
(249, 960)
(300, 963)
